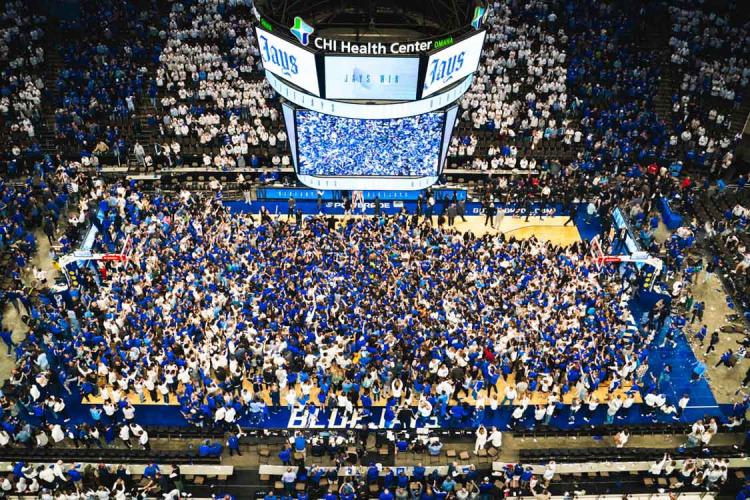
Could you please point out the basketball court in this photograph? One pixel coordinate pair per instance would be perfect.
(550, 229)
(547, 228)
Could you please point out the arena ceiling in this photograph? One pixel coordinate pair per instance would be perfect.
(417, 18)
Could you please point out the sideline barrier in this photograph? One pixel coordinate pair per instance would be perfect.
(301, 193)
(361, 470)
(390, 207)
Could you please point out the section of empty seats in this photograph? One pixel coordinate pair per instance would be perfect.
(653, 428)
(595, 465)
(621, 454)
(111, 455)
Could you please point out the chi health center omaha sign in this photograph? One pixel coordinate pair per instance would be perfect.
(379, 48)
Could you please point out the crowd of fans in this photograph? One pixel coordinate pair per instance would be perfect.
(454, 339)
(40, 201)
(577, 76)
(460, 482)
(712, 56)
(200, 370)
(558, 85)
(519, 94)
(105, 74)
(213, 98)
(712, 50)
(21, 82)
(331, 146)
(205, 334)
(75, 481)
(200, 338)
(708, 473)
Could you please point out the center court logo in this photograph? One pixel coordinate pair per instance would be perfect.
(302, 31)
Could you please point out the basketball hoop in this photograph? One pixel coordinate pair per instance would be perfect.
(598, 256)
(113, 257)
(121, 257)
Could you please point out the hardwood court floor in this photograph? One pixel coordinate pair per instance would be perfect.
(547, 228)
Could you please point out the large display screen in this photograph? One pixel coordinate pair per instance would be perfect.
(450, 123)
(332, 146)
(373, 78)
(453, 63)
(288, 111)
(292, 63)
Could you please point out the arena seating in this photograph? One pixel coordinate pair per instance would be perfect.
(657, 428)
(227, 110)
(134, 121)
(715, 209)
(107, 455)
(182, 432)
(21, 83)
(621, 454)
(540, 32)
(709, 63)
(102, 83)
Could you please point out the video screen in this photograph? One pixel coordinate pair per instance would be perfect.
(401, 147)
(387, 78)
(453, 63)
(288, 111)
(288, 61)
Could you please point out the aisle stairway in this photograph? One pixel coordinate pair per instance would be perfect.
(655, 39)
(146, 135)
(53, 64)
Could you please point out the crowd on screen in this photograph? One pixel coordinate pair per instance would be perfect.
(334, 146)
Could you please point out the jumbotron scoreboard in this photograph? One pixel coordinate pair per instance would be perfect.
(368, 108)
